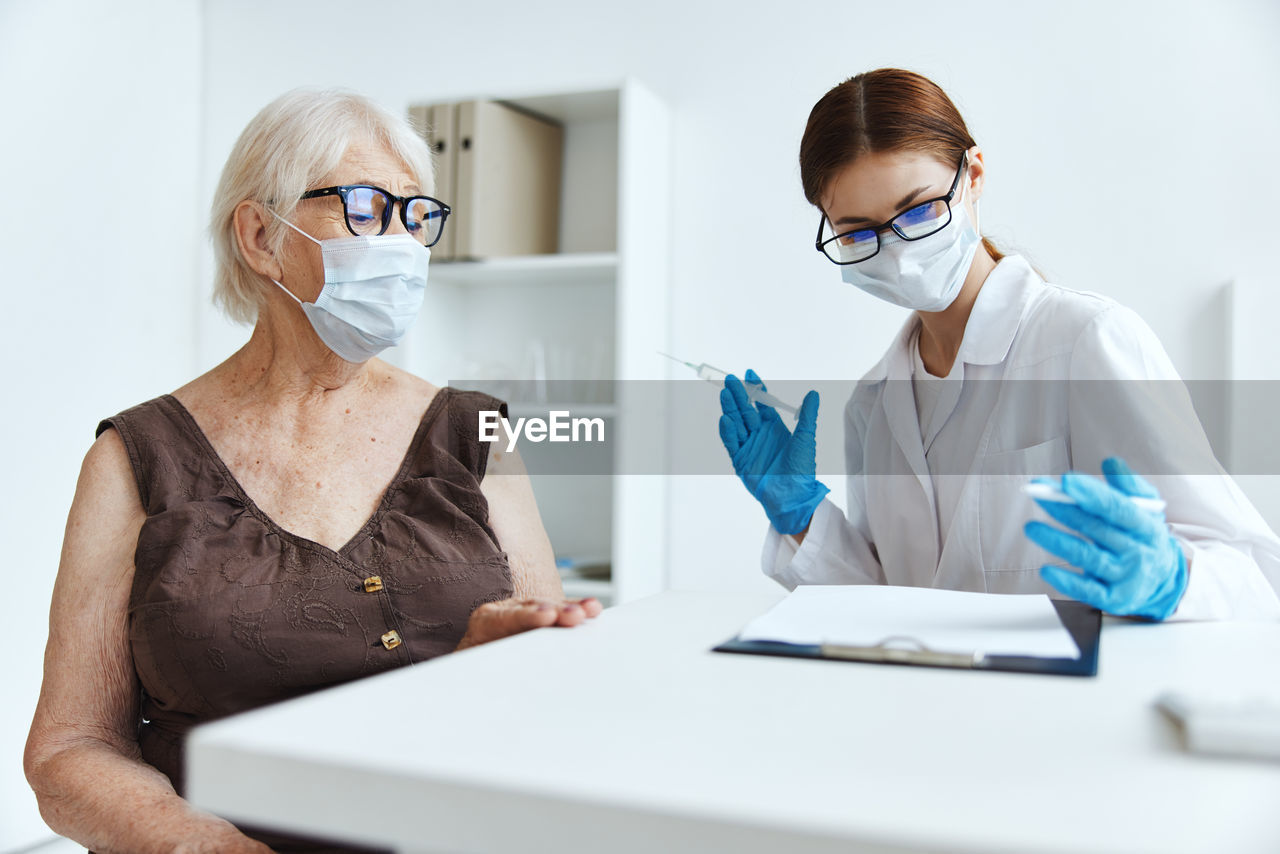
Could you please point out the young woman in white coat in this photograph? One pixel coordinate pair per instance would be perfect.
(997, 376)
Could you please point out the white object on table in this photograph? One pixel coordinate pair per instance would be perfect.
(952, 621)
(628, 735)
(1239, 725)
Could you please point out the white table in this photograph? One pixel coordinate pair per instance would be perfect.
(629, 735)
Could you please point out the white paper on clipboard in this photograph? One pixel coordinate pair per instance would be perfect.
(951, 621)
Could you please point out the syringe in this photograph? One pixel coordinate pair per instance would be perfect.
(715, 376)
(1049, 492)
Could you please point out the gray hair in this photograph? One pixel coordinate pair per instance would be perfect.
(292, 143)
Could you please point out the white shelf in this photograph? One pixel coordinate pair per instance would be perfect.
(531, 270)
(590, 317)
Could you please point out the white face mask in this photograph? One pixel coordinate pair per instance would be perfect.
(373, 289)
(925, 274)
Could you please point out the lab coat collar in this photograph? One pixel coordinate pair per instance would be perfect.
(997, 312)
(992, 325)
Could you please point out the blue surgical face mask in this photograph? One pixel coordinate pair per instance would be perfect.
(925, 274)
(373, 289)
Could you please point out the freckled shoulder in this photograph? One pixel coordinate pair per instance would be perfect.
(407, 386)
(502, 461)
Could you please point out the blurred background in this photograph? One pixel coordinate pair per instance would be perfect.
(1130, 150)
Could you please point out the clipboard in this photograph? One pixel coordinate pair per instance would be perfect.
(1084, 622)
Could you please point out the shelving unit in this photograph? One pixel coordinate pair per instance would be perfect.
(530, 270)
(594, 314)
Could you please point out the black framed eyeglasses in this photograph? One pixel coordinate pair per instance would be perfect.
(918, 221)
(367, 210)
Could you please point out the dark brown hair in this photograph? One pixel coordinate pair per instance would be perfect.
(888, 109)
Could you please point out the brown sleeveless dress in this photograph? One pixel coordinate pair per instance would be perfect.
(229, 611)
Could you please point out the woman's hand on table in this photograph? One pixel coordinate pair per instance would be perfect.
(495, 620)
(233, 843)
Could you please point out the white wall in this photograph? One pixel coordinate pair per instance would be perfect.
(1128, 147)
(98, 141)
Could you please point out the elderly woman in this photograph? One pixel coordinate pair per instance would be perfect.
(302, 515)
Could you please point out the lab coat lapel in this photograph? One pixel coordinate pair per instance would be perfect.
(900, 406)
(1002, 307)
(917, 519)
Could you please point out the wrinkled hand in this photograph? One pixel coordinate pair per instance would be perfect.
(243, 845)
(778, 467)
(224, 838)
(1129, 562)
(495, 620)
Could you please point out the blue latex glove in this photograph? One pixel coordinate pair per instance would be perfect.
(1129, 562)
(779, 467)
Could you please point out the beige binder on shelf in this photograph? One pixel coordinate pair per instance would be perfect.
(507, 182)
(437, 124)
(498, 168)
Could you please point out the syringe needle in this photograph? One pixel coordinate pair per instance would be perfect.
(681, 361)
(715, 376)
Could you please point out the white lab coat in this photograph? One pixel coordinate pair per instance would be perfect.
(1053, 379)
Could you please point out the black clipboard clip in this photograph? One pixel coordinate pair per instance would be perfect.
(915, 652)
